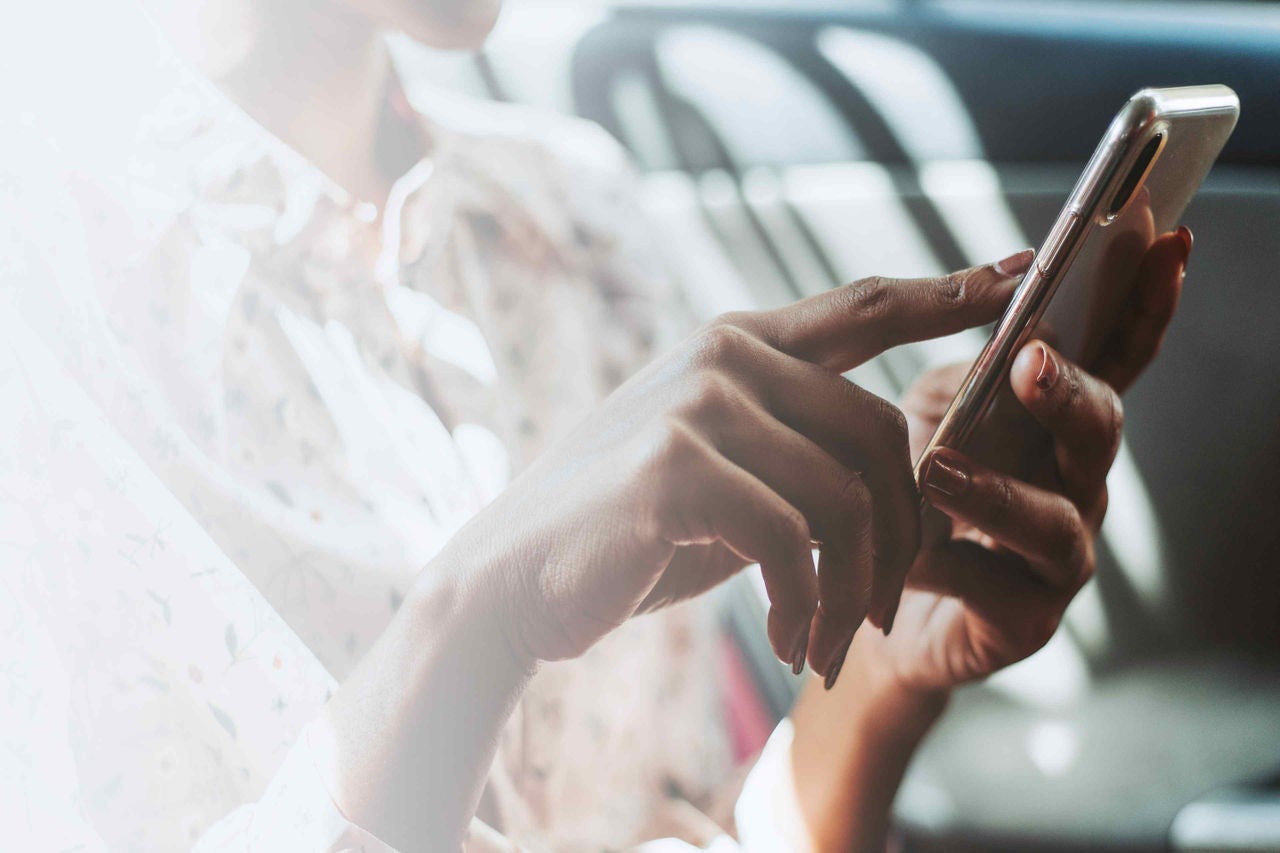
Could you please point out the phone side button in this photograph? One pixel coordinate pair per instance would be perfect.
(1050, 258)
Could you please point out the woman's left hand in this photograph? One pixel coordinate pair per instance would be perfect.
(1005, 556)
(996, 573)
(997, 569)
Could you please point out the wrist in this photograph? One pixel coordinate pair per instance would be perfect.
(884, 695)
(853, 743)
(466, 604)
(416, 724)
(880, 706)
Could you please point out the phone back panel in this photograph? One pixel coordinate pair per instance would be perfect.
(1081, 283)
(1091, 295)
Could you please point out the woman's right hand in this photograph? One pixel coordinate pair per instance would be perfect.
(742, 445)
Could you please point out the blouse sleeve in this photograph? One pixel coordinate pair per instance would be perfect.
(297, 812)
(768, 812)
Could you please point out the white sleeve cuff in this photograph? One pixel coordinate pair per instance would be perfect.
(296, 812)
(768, 812)
(719, 844)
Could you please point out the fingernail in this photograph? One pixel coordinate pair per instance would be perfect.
(1016, 264)
(834, 672)
(891, 615)
(1188, 239)
(800, 652)
(946, 477)
(1048, 374)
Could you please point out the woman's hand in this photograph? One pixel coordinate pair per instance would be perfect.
(743, 445)
(997, 568)
(996, 574)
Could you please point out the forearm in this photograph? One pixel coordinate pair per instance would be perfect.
(416, 725)
(852, 746)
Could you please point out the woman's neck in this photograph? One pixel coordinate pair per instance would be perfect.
(316, 74)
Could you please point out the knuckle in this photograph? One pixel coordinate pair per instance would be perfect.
(790, 531)
(894, 423)
(719, 343)
(870, 299)
(674, 446)
(713, 397)
(999, 504)
(854, 495)
(744, 321)
(950, 290)
(888, 423)
(1068, 392)
(670, 470)
(844, 593)
(867, 295)
(854, 508)
(849, 396)
(1067, 539)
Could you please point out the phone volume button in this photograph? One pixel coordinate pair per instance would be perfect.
(1055, 247)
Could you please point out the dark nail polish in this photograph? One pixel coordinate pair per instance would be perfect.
(1188, 239)
(1048, 374)
(1184, 233)
(799, 653)
(833, 674)
(891, 615)
(946, 477)
(1015, 264)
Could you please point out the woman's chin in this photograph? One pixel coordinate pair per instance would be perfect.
(448, 24)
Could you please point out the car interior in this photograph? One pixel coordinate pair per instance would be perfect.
(911, 137)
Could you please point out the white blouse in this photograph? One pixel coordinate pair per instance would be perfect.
(242, 412)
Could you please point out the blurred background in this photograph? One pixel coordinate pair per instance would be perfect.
(785, 147)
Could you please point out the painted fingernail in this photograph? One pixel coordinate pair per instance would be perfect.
(1048, 374)
(799, 653)
(1188, 239)
(834, 672)
(1016, 264)
(891, 615)
(946, 477)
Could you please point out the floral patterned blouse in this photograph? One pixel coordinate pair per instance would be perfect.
(242, 412)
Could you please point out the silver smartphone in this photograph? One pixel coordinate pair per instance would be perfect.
(1139, 181)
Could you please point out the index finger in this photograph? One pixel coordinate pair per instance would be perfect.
(844, 327)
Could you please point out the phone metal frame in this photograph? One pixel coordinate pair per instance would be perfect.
(1146, 114)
